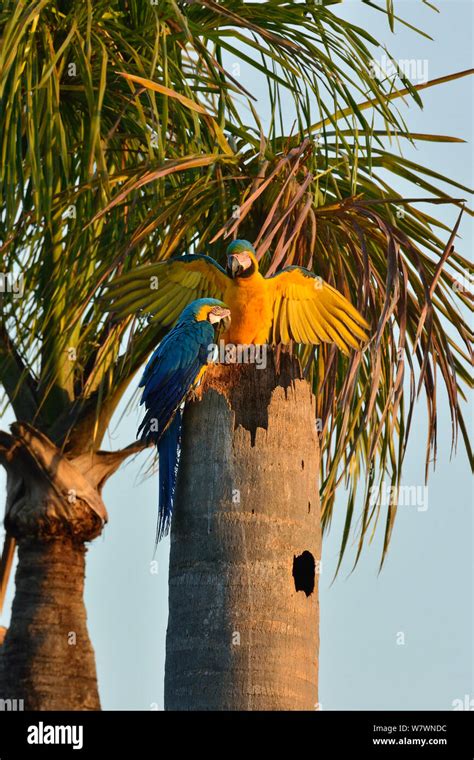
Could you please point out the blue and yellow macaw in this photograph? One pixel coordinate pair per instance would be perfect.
(291, 305)
(173, 370)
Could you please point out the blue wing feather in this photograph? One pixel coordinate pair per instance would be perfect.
(168, 377)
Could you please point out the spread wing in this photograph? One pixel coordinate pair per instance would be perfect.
(308, 310)
(166, 288)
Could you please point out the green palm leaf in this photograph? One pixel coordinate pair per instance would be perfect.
(126, 136)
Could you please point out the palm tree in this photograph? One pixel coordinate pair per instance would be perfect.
(246, 537)
(124, 142)
(73, 132)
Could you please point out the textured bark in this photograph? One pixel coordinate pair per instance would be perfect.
(47, 657)
(54, 506)
(245, 536)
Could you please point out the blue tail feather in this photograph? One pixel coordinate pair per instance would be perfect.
(168, 453)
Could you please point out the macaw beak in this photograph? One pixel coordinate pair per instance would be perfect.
(234, 267)
(225, 322)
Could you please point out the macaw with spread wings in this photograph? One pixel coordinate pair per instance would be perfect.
(291, 305)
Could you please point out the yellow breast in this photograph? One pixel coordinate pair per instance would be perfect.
(250, 305)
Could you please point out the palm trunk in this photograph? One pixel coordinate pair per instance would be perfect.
(245, 546)
(54, 506)
(47, 657)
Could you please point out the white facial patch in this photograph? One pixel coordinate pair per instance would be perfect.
(244, 260)
(217, 316)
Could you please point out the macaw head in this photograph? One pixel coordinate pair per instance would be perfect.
(241, 259)
(206, 310)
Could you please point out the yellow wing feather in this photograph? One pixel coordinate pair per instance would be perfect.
(308, 310)
(166, 288)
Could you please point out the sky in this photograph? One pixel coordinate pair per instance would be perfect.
(399, 639)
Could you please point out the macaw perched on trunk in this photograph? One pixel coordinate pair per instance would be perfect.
(173, 370)
(291, 305)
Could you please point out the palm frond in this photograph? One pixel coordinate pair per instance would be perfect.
(126, 136)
